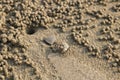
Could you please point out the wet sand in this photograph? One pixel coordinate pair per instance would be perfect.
(59, 40)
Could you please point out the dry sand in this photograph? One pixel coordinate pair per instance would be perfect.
(59, 39)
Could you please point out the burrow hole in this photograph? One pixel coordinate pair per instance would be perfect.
(31, 31)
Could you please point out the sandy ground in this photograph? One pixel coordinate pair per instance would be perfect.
(59, 40)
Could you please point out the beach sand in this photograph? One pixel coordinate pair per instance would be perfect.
(59, 40)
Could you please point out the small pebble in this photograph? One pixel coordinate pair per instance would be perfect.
(50, 39)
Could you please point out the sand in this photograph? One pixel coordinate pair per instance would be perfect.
(59, 40)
